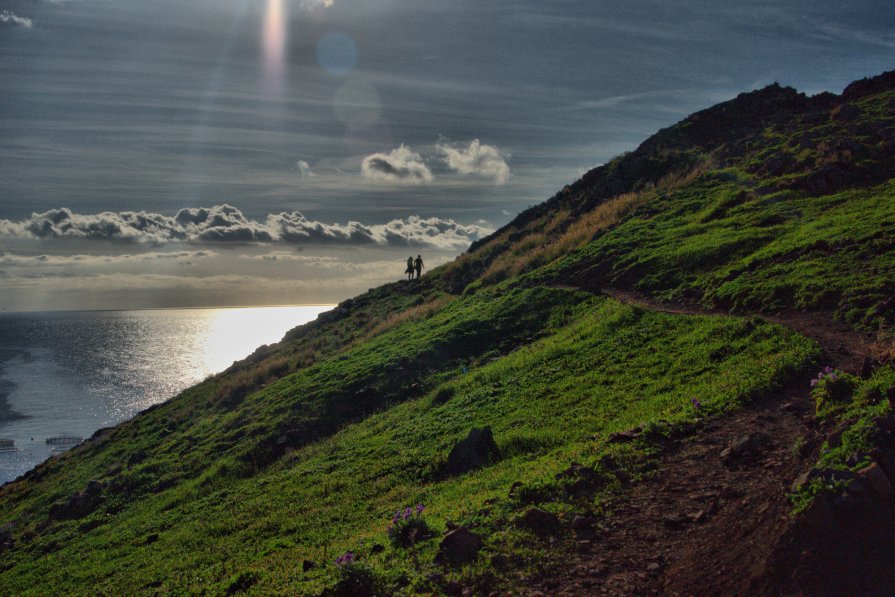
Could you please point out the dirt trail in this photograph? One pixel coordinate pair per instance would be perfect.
(702, 526)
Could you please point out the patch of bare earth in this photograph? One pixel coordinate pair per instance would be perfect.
(715, 518)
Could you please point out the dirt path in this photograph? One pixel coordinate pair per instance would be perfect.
(843, 347)
(705, 525)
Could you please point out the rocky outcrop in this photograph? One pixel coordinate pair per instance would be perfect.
(477, 450)
(80, 504)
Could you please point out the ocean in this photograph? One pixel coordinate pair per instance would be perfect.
(65, 375)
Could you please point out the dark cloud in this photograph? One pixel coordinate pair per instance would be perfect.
(225, 223)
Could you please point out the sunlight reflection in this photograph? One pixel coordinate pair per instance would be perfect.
(274, 43)
(234, 333)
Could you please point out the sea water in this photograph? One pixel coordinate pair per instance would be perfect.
(69, 374)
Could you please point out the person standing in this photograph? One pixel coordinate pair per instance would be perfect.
(409, 270)
(418, 265)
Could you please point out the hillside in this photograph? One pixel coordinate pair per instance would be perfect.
(648, 348)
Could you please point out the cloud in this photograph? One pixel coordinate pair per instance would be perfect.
(316, 4)
(304, 169)
(477, 159)
(225, 223)
(9, 18)
(10, 259)
(399, 165)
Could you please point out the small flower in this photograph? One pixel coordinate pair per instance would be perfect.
(828, 369)
(345, 559)
(419, 509)
(696, 403)
(397, 516)
(813, 383)
(408, 512)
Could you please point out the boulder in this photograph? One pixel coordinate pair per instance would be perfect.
(80, 504)
(744, 448)
(478, 449)
(874, 477)
(583, 525)
(458, 547)
(540, 522)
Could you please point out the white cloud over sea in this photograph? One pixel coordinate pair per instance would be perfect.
(227, 224)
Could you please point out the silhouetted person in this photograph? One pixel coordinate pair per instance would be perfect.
(409, 270)
(418, 265)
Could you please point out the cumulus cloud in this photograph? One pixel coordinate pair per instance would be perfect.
(11, 259)
(225, 223)
(477, 159)
(13, 20)
(312, 4)
(399, 165)
(304, 169)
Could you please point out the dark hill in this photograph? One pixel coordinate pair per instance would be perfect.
(682, 363)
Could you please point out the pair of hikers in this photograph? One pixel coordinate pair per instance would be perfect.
(414, 266)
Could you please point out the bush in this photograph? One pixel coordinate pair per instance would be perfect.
(409, 527)
(832, 390)
(355, 579)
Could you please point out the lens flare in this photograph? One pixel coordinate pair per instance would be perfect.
(273, 40)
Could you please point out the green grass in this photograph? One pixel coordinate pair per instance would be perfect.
(609, 368)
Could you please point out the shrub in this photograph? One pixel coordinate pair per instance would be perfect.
(355, 578)
(409, 527)
(832, 390)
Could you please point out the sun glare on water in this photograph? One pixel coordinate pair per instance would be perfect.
(233, 333)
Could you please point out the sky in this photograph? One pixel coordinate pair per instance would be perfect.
(162, 153)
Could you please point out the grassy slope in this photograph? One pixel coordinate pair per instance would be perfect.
(612, 367)
(305, 449)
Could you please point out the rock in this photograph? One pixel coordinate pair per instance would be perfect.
(540, 522)
(674, 521)
(654, 567)
(515, 488)
(800, 481)
(6, 540)
(624, 436)
(867, 367)
(478, 449)
(885, 457)
(308, 565)
(583, 525)
(744, 448)
(80, 504)
(458, 547)
(876, 479)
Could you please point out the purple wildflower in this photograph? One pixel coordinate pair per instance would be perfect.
(397, 516)
(419, 509)
(828, 369)
(408, 512)
(696, 403)
(345, 559)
